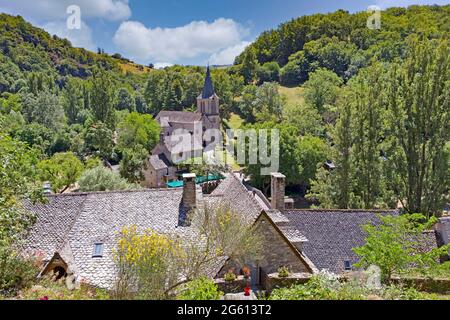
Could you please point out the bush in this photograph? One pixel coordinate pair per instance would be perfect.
(51, 290)
(326, 286)
(16, 273)
(201, 289)
(229, 276)
(283, 272)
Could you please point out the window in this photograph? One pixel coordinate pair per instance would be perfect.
(98, 250)
(347, 265)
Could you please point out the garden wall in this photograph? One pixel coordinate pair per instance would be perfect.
(441, 286)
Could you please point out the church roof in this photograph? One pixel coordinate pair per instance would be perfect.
(178, 117)
(208, 89)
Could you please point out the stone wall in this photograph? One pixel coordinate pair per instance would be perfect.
(441, 286)
(273, 281)
(277, 252)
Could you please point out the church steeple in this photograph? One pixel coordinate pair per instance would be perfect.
(208, 89)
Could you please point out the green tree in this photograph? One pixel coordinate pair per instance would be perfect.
(269, 103)
(17, 183)
(45, 109)
(249, 66)
(394, 245)
(133, 164)
(72, 100)
(419, 118)
(102, 98)
(312, 151)
(138, 130)
(322, 89)
(102, 179)
(125, 100)
(98, 137)
(62, 170)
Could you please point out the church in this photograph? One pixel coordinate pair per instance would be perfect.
(190, 126)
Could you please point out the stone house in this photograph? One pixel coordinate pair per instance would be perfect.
(183, 136)
(77, 233)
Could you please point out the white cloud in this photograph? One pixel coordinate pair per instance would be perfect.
(44, 10)
(227, 55)
(173, 44)
(81, 38)
(162, 65)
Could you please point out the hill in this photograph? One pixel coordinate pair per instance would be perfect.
(26, 49)
(342, 42)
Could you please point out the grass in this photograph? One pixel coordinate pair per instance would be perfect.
(293, 95)
(133, 68)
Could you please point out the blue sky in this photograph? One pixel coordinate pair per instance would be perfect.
(177, 31)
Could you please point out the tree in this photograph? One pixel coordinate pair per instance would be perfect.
(269, 72)
(304, 118)
(419, 118)
(367, 101)
(322, 89)
(102, 98)
(312, 151)
(288, 154)
(247, 103)
(62, 170)
(249, 66)
(138, 130)
(133, 164)
(45, 109)
(125, 101)
(100, 138)
(17, 183)
(72, 101)
(269, 103)
(159, 265)
(102, 179)
(394, 244)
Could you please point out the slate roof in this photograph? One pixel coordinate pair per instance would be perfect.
(208, 88)
(179, 116)
(233, 192)
(332, 234)
(159, 162)
(73, 223)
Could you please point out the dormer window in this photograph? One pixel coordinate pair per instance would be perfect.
(98, 250)
(347, 265)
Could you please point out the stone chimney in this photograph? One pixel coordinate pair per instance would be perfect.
(189, 192)
(278, 191)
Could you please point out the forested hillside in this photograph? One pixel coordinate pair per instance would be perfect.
(341, 42)
(372, 105)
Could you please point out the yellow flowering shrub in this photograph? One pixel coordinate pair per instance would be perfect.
(147, 263)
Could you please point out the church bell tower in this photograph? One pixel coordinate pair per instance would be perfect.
(208, 103)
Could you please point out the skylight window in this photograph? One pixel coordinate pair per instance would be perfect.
(347, 265)
(98, 250)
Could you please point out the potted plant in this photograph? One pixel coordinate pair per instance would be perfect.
(246, 272)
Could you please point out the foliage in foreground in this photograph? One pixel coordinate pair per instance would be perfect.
(394, 245)
(200, 289)
(47, 289)
(155, 266)
(16, 272)
(326, 286)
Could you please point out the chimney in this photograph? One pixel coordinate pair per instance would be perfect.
(278, 185)
(189, 192)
